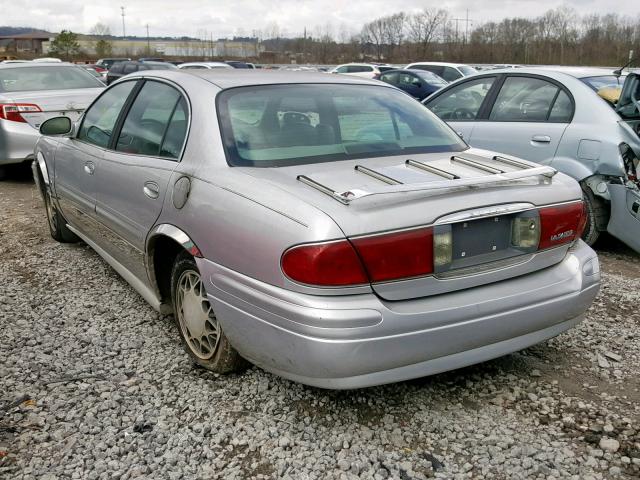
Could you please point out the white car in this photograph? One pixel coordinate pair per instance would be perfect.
(449, 71)
(203, 65)
(364, 70)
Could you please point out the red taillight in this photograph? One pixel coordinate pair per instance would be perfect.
(561, 224)
(13, 111)
(397, 255)
(410, 253)
(333, 264)
(99, 69)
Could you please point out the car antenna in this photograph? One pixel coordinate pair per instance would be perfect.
(618, 72)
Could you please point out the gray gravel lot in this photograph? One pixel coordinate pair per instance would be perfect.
(95, 385)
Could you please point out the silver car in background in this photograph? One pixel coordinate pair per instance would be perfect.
(329, 229)
(30, 93)
(555, 117)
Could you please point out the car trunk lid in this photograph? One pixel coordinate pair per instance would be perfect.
(54, 103)
(475, 192)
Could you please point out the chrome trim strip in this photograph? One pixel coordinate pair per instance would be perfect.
(477, 165)
(485, 212)
(377, 175)
(431, 169)
(341, 197)
(511, 162)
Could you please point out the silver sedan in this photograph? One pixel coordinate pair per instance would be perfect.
(554, 116)
(32, 92)
(328, 229)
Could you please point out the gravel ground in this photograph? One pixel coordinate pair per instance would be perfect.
(94, 384)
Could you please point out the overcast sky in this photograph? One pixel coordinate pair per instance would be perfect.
(225, 18)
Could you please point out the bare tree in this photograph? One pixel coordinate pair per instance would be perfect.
(423, 27)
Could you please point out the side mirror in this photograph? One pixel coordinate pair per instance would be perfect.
(56, 126)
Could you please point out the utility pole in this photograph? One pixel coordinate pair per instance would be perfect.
(304, 46)
(123, 31)
(148, 44)
(466, 28)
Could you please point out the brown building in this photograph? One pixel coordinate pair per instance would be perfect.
(24, 44)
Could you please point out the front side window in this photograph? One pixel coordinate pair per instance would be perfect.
(100, 119)
(284, 125)
(524, 99)
(29, 78)
(463, 101)
(342, 69)
(154, 110)
(409, 80)
(359, 69)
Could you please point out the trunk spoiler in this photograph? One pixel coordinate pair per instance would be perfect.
(453, 182)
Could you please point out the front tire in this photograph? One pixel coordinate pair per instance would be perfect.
(200, 331)
(57, 223)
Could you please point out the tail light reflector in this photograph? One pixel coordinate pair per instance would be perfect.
(561, 224)
(397, 255)
(333, 264)
(13, 111)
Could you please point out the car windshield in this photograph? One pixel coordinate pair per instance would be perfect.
(282, 125)
(28, 79)
(467, 71)
(604, 81)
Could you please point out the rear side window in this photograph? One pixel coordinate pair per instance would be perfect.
(391, 78)
(130, 68)
(146, 125)
(359, 69)
(100, 118)
(451, 74)
(524, 99)
(562, 110)
(117, 68)
(463, 101)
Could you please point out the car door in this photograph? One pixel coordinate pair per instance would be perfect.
(78, 159)
(135, 171)
(527, 119)
(460, 104)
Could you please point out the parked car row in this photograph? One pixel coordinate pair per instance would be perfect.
(441, 244)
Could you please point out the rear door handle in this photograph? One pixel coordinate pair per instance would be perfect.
(89, 168)
(541, 138)
(151, 189)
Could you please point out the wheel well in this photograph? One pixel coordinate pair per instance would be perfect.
(163, 252)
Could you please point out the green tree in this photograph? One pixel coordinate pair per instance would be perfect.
(65, 45)
(102, 45)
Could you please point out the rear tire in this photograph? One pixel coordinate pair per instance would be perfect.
(56, 221)
(597, 216)
(200, 331)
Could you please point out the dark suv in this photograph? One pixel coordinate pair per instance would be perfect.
(121, 69)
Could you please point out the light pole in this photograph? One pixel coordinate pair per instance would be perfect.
(123, 31)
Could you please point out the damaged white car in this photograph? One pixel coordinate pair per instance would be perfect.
(554, 117)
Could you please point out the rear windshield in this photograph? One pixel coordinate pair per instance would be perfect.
(430, 77)
(28, 79)
(467, 71)
(282, 125)
(604, 81)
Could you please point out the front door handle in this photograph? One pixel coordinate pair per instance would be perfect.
(151, 189)
(541, 138)
(89, 168)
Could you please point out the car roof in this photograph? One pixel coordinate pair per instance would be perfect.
(38, 64)
(224, 78)
(444, 64)
(552, 72)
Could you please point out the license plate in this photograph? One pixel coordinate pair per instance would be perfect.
(481, 237)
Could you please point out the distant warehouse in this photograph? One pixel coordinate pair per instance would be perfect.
(188, 47)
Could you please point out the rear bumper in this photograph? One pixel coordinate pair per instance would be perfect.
(360, 340)
(17, 141)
